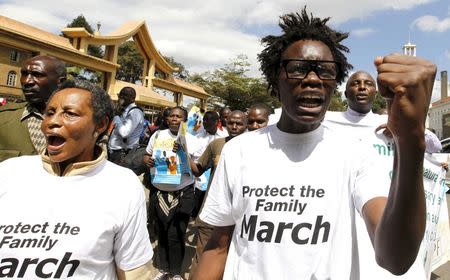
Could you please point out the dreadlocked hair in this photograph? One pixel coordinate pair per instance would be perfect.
(297, 27)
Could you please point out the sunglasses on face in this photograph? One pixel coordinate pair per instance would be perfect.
(299, 68)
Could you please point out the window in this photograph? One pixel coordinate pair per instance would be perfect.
(11, 81)
(14, 56)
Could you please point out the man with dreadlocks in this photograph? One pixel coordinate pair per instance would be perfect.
(283, 216)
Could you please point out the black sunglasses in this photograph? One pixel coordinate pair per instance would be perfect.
(299, 68)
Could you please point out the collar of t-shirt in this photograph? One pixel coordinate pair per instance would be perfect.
(368, 119)
(73, 169)
(276, 136)
(354, 114)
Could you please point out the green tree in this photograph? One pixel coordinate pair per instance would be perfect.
(378, 104)
(182, 72)
(80, 21)
(131, 63)
(337, 103)
(231, 87)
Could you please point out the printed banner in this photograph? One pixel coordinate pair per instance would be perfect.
(195, 120)
(435, 188)
(204, 179)
(172, 170)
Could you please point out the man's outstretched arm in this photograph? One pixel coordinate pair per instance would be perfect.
(212, 261)
(396, 224)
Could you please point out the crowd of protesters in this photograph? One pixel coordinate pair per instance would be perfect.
(71, 207)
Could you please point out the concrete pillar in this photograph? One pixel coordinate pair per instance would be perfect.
(178, 98)
(202, 104)
(444, 84)
(110, 82)
(151, 73)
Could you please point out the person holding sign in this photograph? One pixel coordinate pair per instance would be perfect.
(73, 214)
(173, 199)
(309, 232)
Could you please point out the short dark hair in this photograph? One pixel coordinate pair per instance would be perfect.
(59, 66)
(297, 27)
(223, 109)
(260, 106)
(100, 101)
(240, 113)
(211, 115)
(129, 91)
(182, 109)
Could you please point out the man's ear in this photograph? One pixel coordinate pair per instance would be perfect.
(345, 93)
(102, 126)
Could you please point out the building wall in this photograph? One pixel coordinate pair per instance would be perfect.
(7, 65)
(436, 114)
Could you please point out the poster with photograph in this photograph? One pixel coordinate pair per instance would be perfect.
(172, 171)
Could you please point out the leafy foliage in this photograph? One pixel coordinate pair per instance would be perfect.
(80, 21)
(131, 63)
(233, 88)
(378, 104)
(182, 72)
(84, 74)
(337, 103)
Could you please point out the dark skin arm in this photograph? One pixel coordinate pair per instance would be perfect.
(213, 259)
(149, 161)
(396, 224)
(196, 168)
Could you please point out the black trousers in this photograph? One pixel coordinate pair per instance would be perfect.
(172, 231)
(199, 196)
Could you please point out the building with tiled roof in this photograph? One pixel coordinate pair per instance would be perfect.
(19, 41)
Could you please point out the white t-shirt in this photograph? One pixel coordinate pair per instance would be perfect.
(351, 117)
(362, 127)
(74, 227)
(292, 199)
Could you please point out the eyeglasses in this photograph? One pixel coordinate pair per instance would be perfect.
(299, 68)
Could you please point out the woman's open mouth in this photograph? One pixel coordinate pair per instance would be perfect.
(54, 143)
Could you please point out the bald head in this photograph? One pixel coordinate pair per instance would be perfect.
(236, 123)
(51, 63)
(360, 92)
(40, 76)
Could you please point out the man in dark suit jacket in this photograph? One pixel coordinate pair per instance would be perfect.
(20, 123)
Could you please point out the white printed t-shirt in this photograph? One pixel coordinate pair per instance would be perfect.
(71, 227)
(362, 128)
(293, 201)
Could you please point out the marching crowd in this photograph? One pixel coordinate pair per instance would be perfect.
(303, 197)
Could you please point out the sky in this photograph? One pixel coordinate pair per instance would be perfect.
(205, 35)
